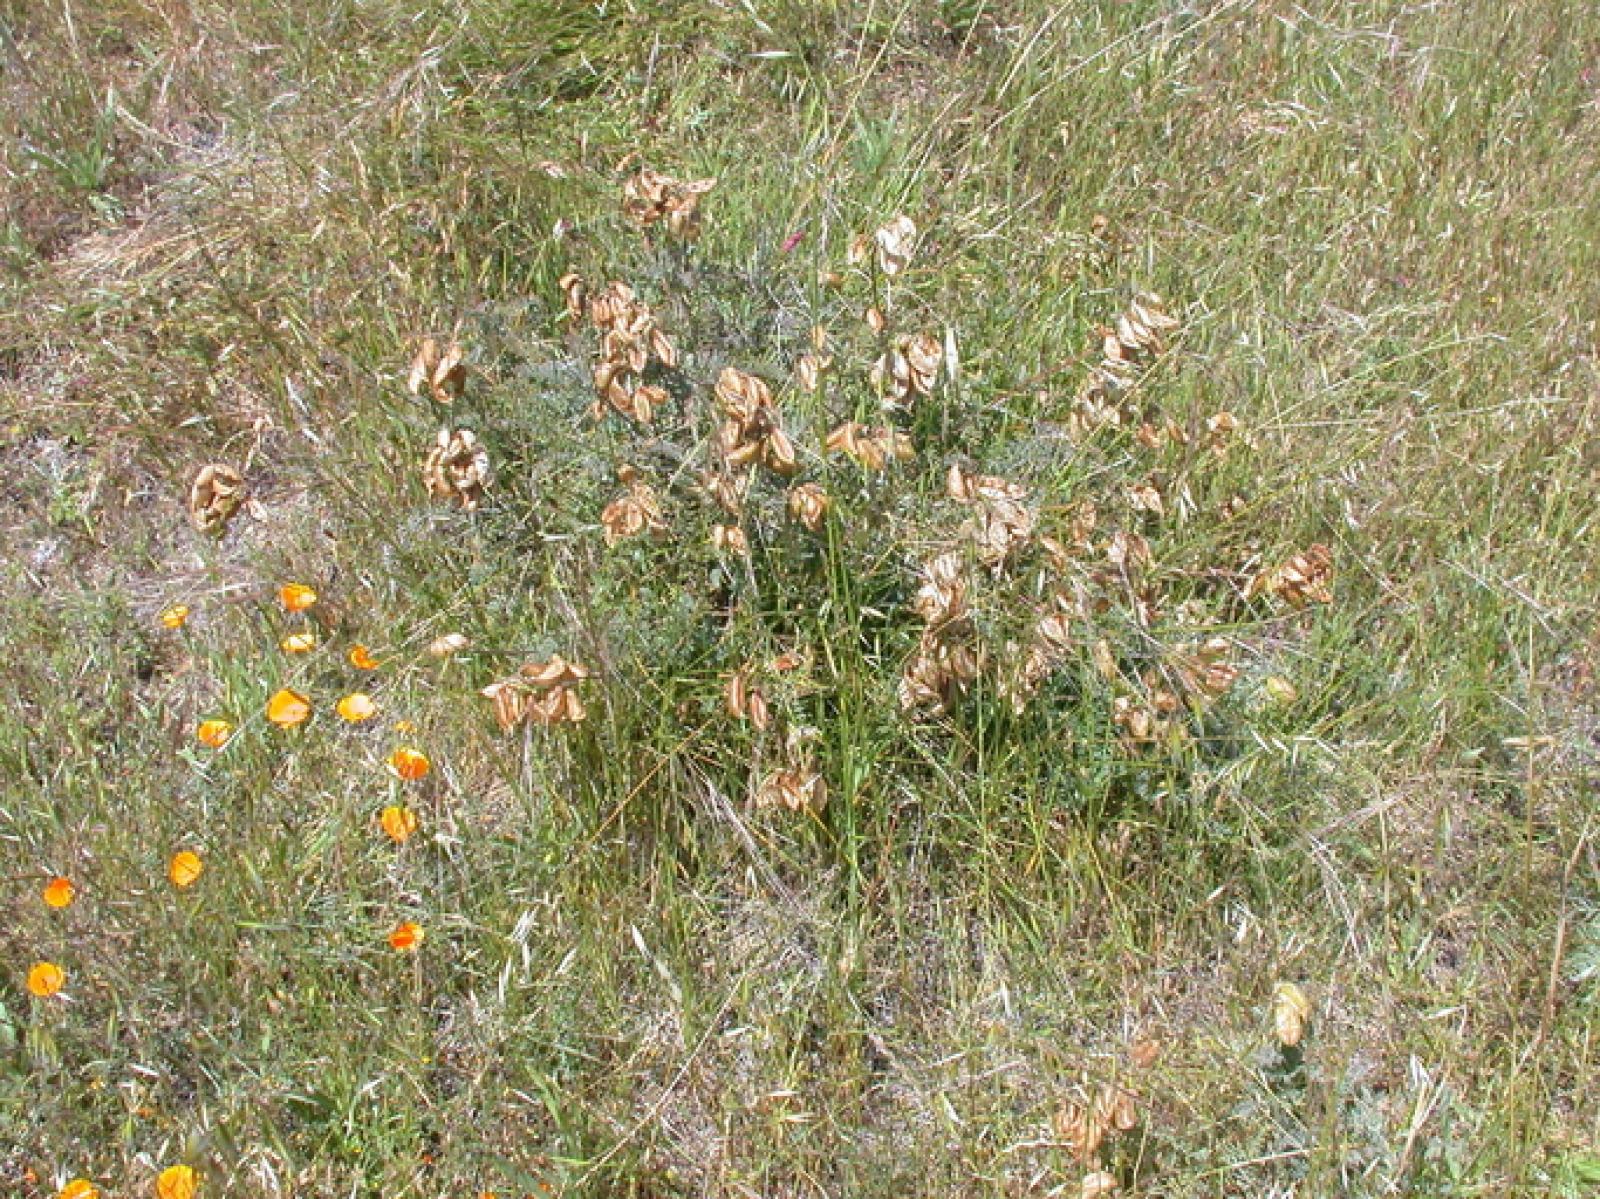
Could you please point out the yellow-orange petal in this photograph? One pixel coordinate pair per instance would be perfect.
(356, 707)
(361, 658)
(296, 597)
(45, 979)
(59, 892)
(288, 708)
(406, 936)
(399, 822)
(176, 616)
(298, 643)
(404, 726)
(214, 733)
(185, 868)
(78, 1188)
(409, 764)
(177, 1182)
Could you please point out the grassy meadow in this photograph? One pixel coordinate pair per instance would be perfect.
(995, 750)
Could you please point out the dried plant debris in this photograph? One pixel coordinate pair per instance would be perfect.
(542, 693)
(457, 468)
(441, 371)
(1306, 578)
(634, 512)
(215, 496)
(651, 198)
(752, 432)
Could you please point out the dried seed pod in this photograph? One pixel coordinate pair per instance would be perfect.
(896, 241)
(745, 701)
(443, 371)
(634, 512)
(576, 295)
(939, 670)
(457, 468)
(726, 490)
(650, 197)
(797, 789)
(215, 496)
(447, 644)
(544, 693)
(730, 539)
(752, 432)
(1304, 579)
(808, 504)
(808, 370)
(1291, 1014)
(942, 597)
(871, 446)
(1097, 1184)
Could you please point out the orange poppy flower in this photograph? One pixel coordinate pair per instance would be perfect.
(298, 643)
(176, 616)
(214, 733)
(288, 708)
(78, 1188)
(58, 892)
(185, 869)
(357, 707)
(399, 822)
(296, 597)
(177, 1182)
(361, 658)
(406, 936)
(409, 764)
(45, 979)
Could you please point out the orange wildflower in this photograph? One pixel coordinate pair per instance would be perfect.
(177, 1182)
(399, 822)
(356, 707)
(288, 708)
(59, 892)
(176, 616)
(214, 733)
(361, 658)
(45, 979)
(78, 1188)
(185, 868)
(406, 936)
(296, 597)
(298, 643)
(409, 764)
